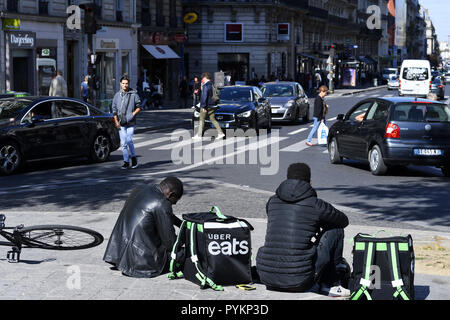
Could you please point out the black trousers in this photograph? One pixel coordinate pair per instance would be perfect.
(330, 246)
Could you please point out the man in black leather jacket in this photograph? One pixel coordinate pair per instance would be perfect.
(304, 238)
(144, 234)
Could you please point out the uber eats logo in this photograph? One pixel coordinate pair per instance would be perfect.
(226, 245)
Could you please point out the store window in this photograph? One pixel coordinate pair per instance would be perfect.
(107, 74)
(125, 63)
(46, 68)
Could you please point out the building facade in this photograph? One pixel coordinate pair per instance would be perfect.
(38, 42)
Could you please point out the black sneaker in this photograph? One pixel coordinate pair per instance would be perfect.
(134, 163)
(125, 165)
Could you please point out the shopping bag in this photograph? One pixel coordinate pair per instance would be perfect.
(322, 133)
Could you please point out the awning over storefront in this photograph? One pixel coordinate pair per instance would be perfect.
(161, 51)
(311, 57)
(366, 60)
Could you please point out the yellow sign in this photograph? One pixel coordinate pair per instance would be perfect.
(190, 17)
(11, 24)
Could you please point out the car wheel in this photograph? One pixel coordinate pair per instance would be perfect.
(306, 117)
(10, 158)
(100, 149)
(333, 152)
(446, 170)
(376, 162)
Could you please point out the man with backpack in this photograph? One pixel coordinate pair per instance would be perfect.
(290, 260)
(144, 234)
(208, 100)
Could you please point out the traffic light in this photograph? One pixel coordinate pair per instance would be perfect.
(90, 22)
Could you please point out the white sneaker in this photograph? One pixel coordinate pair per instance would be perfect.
(196, 137)
(336, 291)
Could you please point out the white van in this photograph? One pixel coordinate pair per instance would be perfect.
(415, 78)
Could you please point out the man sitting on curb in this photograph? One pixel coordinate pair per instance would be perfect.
(143, 236)
(289, 260)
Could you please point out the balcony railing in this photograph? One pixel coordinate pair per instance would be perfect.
(12, 5)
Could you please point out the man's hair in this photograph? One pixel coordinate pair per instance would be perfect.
(124, 77)
(206, 75)
(323, 88)
(172, 184)
(59, 73)
(299, 171)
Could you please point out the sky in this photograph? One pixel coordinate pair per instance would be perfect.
(439, 11)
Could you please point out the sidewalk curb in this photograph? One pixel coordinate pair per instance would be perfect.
(359, 91)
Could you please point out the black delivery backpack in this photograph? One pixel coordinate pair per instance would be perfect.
(383, 268)
(217, 250)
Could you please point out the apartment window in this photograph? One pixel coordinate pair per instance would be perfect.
(98, 12)
(119, 10)
(160, 21)
(12, 5)
(146, 18)
(43, 7)
(173, 13)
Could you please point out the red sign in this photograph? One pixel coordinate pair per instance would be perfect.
(179, 37)
(283, 31)
(234, 32)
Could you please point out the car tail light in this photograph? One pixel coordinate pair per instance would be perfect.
(399, 84)
(441, 86)
(392, 131)
(430, 85)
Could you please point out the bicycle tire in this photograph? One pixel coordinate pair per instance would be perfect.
(60, 237)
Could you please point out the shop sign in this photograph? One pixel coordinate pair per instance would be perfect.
(11, 24)
(179, 37)
(283, 31)
(45, 53)
(234, 32)
(190, 17)
(105, 44)
(22, 39)
(150, 38)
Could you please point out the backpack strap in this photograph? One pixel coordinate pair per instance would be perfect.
(397, 281)
(216, 210)
(204, 280)
(365, 281)
(174, 272)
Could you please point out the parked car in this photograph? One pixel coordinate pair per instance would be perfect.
(240, 107)
(388, 73)
(37, 128)
(393, 83)
(288, 101)
(438, 87)
(393, 131)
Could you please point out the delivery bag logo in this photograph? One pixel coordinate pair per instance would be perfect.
(226, 245)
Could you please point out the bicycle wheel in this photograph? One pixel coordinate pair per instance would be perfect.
(60, 237)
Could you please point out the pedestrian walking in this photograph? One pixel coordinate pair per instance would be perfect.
(318, 79)
(84, 89)
(320, 110)
(144, 234)
(58, 86)
(125, 107)
(289, 260)
(196, 91)
(183, 90)
(207, 107)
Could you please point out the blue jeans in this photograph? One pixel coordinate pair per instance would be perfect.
(314, 128)
(126, 141)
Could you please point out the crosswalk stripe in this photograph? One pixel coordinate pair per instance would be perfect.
(176, 144)
(150, 142)
(299, 146)
(298, 131)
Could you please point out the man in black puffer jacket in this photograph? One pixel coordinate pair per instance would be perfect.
(289, 259)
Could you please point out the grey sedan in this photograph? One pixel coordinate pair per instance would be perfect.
(288, 101)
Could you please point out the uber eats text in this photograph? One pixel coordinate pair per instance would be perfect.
(226, 246)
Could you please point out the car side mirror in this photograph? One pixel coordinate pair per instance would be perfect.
(340, 117)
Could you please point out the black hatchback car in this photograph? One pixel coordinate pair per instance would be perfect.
(38, 128)
(393, 131)
(240, 107)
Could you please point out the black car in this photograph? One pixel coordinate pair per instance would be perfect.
(438, 87)
(393, 131)
(240, 107)
(37, 128)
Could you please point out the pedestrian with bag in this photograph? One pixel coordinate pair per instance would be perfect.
(125, 106)
(84, 89)
(144, 233)
(320, 110)
(207, 107)
(290, 260)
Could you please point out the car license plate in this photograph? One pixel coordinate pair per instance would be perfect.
(427, 152)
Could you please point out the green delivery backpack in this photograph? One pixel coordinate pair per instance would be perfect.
(383, 268)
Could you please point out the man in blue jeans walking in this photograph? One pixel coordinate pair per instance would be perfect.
(319, 112)
(125, 107)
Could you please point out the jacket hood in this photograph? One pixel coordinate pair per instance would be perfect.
(293, 190)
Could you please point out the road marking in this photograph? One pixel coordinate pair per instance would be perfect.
(298, 131)
(150, 142)
(296, 147)
(176, 144)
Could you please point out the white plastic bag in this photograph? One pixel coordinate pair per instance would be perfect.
(322, 134)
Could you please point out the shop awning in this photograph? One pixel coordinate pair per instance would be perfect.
(366, 60)
(311, 57)
(161, 51)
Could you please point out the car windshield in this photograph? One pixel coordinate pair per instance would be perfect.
(415, 73)
(420, 112)
(235, 94)
(386, 71)
(277, 90)
(10, 109)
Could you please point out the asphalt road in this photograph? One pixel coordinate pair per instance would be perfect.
(413, 197)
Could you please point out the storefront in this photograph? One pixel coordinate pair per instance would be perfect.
(234, 64)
